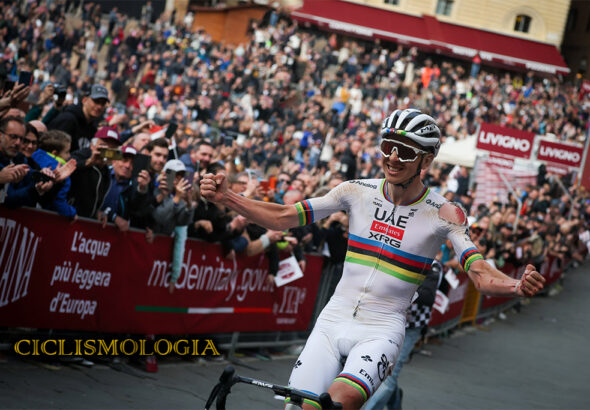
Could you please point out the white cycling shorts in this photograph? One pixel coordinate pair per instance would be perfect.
(353, 350)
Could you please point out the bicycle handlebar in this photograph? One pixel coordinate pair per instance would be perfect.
(228, 378)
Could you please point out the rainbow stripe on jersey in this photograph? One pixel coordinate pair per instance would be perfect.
(387, 259)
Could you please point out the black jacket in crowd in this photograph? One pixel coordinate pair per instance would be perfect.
(89, 185)
(73, 121)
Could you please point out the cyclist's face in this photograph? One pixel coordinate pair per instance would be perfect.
(397, 171)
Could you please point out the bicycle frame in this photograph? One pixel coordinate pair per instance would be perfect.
(228, 378)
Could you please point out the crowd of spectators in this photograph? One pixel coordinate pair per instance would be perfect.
(286, 115)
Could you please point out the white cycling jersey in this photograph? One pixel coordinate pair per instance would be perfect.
(390, 251)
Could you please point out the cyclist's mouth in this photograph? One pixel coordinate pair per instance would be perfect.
(394, 169)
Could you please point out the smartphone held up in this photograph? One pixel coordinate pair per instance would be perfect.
(111, 153)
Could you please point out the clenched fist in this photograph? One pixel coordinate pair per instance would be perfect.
(530, 283)
(214, 187)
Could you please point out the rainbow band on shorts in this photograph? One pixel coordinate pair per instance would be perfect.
(313, 403)
(358, 384)
(305, 212)
(468, 257)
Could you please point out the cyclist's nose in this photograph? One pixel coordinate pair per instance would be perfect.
(393, 156)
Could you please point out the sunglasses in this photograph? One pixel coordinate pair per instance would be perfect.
(404, 152)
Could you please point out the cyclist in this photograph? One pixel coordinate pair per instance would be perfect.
(396, 226)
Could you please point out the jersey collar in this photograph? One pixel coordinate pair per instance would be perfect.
(421, 196)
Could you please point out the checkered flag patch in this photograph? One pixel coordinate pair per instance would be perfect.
(418, 316)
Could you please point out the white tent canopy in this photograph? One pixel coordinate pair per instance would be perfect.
(460, 152)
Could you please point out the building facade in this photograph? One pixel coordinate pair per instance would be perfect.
(538, 20)
(576, 39)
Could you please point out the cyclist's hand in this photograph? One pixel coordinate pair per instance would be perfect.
(530, 283)
(214, 187)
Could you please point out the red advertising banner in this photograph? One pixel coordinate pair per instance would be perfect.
(504, 140)
(456, 299)
(499, 161)
(551, 270)
(560, 153)
(557, 169)
(58, 275)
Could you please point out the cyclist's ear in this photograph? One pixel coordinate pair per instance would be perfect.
(427, 160)
(454, 213)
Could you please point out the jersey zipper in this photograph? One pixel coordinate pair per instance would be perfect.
(369, 281)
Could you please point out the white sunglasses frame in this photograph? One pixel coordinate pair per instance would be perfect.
(417, 151)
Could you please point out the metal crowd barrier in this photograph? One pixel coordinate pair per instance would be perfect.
(478, 307)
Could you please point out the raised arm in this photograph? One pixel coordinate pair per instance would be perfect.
(491, 281)
(269, 215)
(487, 279)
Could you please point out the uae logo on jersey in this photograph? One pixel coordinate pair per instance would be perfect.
(389, 224)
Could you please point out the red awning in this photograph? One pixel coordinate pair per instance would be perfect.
(429, 33)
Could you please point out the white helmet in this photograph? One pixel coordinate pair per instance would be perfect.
(415, 125)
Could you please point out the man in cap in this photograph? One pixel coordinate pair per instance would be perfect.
(126, 196)
(174, 211)
(81, 120)
(174, 203)
(91, 180)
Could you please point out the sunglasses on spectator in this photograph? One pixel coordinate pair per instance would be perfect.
(404, 152)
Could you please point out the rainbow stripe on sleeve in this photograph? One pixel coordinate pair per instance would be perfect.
(467, 258)
(305, 212)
